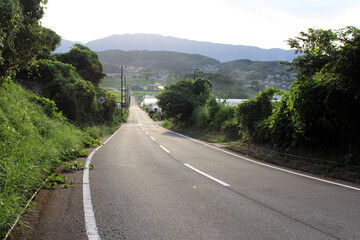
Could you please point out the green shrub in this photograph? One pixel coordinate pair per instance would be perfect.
(198, 117)
(178, 100)
(85, 61)
(251, 115)
(75, 97)
(50, 107)
(225, 119)
(78, 102)
(167, 124)
(52, 75)
(281, 126)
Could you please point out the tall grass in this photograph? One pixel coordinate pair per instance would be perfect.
(31, 145)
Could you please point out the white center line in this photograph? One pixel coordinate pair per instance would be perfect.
(165, 149)
(152, 138)
(207, 175)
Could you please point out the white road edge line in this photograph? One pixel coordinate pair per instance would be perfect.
(90, 221)
(207, 175)
(164, 149)
(269, 166)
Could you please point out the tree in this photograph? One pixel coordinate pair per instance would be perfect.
(323, 102)
(51, 75)
(178, 100)
(23, 39)
(85, 61)
(75, 97)
(78, 102)
(251, 114)
(316, 47)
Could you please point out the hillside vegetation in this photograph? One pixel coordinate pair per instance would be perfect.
(174, 62)
(253, 70)
(35, 137)
(318, 115)
(52, 123)
(235, 79)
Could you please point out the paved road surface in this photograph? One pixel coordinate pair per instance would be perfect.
(142, 189)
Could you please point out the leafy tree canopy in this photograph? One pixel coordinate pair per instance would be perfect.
(178, 100)
(85, 61)
(324, 100)
(323, 50)
(23, 39)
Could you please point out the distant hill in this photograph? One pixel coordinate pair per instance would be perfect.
(174, 62)
(65, 46)
(220, 52)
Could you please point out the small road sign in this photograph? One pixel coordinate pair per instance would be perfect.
(101, 100)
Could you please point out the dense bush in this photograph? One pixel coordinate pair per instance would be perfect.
(178, 100)
(86, 63)
(78, 101)
(23, 39)
(50, 107)
(75, 97)
(52, 76)
(214, 114)
(282, 126)
(324, 100)
(252, 115)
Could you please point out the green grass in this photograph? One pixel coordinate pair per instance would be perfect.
(110, 82)
(117, 95)
(32, 144)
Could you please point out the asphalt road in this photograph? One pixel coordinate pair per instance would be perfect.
(151, 183)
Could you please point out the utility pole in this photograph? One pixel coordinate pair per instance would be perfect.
(125, 93)
(121, 101)
(194, 73)
(128, 90)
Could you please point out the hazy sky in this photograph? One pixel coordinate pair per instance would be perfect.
(262, 23)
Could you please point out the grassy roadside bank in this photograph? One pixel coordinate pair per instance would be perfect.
(34, 140)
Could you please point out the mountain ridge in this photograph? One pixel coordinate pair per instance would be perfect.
(156, 42)
(175, 62)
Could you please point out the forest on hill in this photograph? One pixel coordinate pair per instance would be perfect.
(153, 61)
(235, 79)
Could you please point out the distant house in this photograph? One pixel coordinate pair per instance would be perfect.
(148, 100)
(154, 107)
